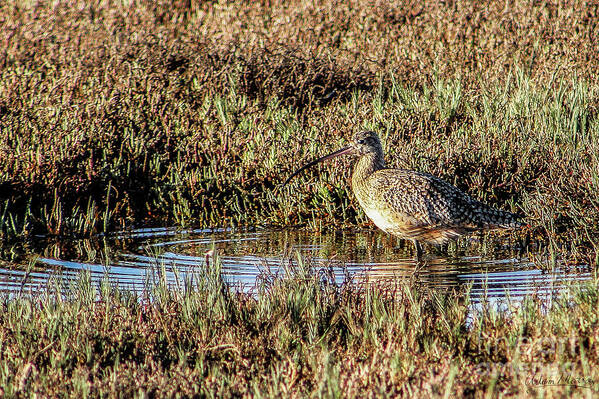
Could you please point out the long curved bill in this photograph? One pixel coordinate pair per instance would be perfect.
(342, 151)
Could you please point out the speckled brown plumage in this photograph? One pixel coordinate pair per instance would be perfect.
(414, 205)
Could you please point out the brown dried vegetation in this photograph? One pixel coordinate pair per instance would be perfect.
(115, 113)
(299, 337)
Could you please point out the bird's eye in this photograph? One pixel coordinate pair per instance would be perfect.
(361, 141)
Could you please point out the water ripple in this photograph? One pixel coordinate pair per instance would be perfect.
(131, 259)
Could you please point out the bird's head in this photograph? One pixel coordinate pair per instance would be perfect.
(366, 142)
(363, 143)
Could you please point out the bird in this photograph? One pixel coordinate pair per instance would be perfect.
(413, 205)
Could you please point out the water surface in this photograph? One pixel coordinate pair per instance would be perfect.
(130, 260)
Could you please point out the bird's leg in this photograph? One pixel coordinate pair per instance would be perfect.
(418, 250)
(419, 264)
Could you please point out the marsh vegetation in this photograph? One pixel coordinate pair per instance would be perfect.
(118, 114)
(297, 336)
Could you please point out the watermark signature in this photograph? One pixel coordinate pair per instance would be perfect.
(535, 374)
(535, 362)
(561, 381)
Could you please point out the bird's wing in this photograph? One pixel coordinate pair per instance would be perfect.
(428, 199)
(434, 204)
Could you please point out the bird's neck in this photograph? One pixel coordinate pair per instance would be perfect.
(367, 165)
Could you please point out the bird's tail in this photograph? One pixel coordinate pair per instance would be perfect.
(498, 219)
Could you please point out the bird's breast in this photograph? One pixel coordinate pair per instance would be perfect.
(390, 222)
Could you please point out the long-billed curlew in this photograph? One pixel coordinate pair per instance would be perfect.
(413, 205)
